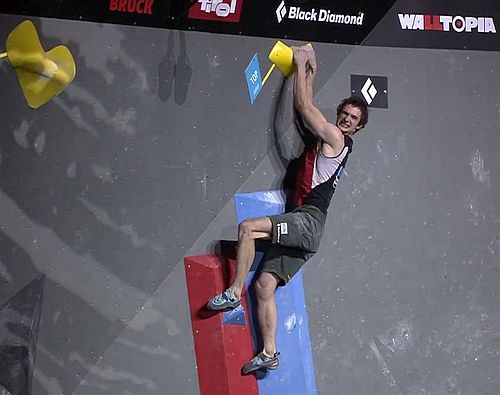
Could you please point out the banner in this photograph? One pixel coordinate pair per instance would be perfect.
(404, 23)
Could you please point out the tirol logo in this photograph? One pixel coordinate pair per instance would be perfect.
(316, 15)
(132, 6)
(446, 23)
(216, 10)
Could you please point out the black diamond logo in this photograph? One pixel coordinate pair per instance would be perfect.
(373, 89)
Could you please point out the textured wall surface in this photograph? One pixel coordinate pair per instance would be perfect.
(107, 187)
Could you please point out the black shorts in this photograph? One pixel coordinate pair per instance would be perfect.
(296, 236)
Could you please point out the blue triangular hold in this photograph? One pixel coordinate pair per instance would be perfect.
(235, 316)
(258, 204)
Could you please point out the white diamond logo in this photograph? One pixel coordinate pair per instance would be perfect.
(281, 11)
(372, 89)
(369, 91)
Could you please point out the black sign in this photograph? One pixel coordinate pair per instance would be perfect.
(373, 89)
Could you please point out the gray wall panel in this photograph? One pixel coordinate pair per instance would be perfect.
(107, 186)
(409, 305)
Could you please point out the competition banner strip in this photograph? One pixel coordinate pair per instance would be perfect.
(325, 21)
(390, 23)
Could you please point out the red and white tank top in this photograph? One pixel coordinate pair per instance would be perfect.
(319, 174)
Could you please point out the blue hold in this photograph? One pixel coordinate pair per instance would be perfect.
(258, 204)
(296, 373)
(234, 317)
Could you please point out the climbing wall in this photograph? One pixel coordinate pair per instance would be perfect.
(107, 188)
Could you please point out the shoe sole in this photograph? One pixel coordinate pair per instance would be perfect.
(222, 308)
(255, 368)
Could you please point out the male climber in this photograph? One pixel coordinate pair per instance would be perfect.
(295, 235)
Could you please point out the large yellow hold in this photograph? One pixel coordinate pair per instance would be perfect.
(42, 75)
(281, 56)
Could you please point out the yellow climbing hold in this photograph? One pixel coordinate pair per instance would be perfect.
(42, 75)
(281, 55)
